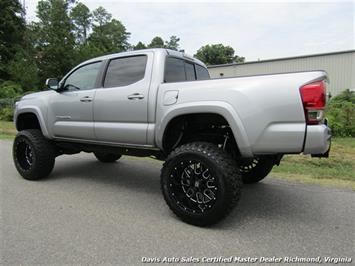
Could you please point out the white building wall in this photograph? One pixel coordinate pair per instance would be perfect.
(339, 66)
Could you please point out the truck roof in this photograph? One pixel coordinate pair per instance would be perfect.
(155, 50)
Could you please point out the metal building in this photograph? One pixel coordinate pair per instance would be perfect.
(340, 67)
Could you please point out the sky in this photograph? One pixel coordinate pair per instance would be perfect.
(256, 30)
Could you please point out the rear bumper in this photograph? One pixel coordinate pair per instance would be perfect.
(317, 142)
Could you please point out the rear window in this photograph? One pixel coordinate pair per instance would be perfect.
(125, 71)
(201, 72)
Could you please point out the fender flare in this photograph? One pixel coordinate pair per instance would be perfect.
(37, 112)
(216, 107)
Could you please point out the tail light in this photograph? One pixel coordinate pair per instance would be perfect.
(314, 99)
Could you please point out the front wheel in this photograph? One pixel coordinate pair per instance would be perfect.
(200, 183)
(33, 154)
(256, 169)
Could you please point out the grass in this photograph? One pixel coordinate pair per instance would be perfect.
(7, 130)
(338, 170)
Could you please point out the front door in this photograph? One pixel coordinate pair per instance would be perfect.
(121, 105)
(70, 112)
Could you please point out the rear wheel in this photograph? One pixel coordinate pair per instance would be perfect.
(107, 157)
(200, 183)
(256, 169)
(33, 154)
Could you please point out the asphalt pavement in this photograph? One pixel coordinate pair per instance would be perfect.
(89, 213)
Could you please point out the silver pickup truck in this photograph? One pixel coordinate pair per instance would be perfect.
(214, 134)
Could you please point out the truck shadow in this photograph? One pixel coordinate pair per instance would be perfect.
(264, 202)
(267, 200)
(130, 174)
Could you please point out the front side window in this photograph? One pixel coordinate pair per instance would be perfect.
(125, 71)
(84, 78)
(201, 72)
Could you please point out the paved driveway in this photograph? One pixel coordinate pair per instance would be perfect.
(93, 213)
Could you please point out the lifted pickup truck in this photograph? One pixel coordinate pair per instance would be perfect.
(214, 134)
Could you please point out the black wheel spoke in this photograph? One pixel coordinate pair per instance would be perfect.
(24, 154)
(193, 186)
(200, 183)
(33, 154)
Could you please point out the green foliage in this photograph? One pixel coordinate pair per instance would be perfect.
(66, 33)
(157, 42)
(54, 44)
(337, 170)
(173, 43)
(81, 17)
(12, 28)
(139, 46)
(341, 114)
(110, 37)
(101, 16)
(85, 52)
(10, 90)
(58, 40)
(23, 69)
(215, 54)
(6, 114)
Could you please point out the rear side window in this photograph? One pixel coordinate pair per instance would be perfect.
(181, 70)
(174, 70)
(125, 71)
(201, 72)
(190, 71)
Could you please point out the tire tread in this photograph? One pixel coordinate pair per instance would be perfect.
(45, 155)
(230, 171)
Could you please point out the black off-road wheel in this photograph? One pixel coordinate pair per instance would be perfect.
(33, 154)
(107, 157)
(201, 184)
(256, 169)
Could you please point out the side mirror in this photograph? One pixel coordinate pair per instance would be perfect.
(52, 83)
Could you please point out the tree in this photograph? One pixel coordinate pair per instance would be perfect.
(23, 69)
(157, 42)
(139, 46)
(101, 16)
(108, 35)
(341, 114)
(81, 17)
(12, 28)
(215, 54)
(173, 43)
(54, 40)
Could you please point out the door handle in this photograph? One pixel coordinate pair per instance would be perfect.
(135, 96)
(86, 99)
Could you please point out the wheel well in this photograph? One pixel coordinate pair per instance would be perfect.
(27, 121)
(208, 127)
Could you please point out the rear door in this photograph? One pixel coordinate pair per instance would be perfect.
(121, 105)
